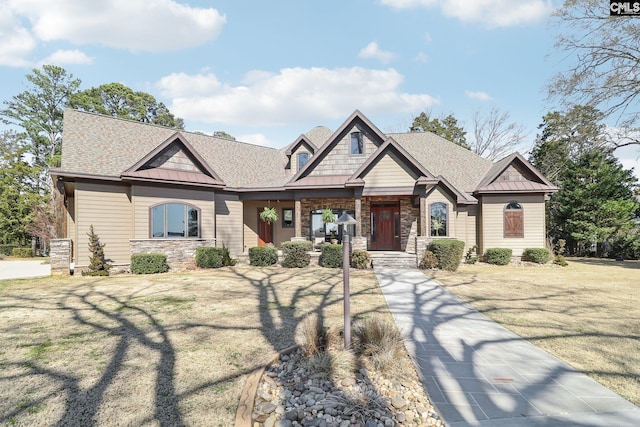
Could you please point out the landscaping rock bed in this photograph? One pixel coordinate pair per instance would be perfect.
(289, 395)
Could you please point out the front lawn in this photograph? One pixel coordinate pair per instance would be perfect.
(170, 349)
(587, 314)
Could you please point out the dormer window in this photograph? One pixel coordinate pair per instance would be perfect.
(357, 143)
(303, 159)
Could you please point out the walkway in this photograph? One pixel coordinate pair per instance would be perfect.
(478, 373)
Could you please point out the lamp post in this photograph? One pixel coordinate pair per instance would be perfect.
(344, 220)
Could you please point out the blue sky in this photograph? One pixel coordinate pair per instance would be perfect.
(266, 72)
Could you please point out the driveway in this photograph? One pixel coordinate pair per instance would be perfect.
(23, 269)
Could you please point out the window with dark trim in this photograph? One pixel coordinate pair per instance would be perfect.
(287, 218)
(513, 222)
(438, 219)
(331, 229)
(303, 158)
(357, 143)
(174, 221)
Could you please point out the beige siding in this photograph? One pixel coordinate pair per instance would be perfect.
(387, 172)
(471, 221)
(229, 218)
(492, 223)
(437, 196)
(108, 208)
(144, 197)
(71, 223)
(340, 162)
(280, 234)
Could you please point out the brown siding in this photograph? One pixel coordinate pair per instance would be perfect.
(144, 197)
(280, 234)
(108, 208)
(229, 219)
(492, 222)
(340, 162)
(389, 173)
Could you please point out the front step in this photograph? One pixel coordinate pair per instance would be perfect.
(393, 259)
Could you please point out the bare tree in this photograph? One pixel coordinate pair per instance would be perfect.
(605, 63)
(494, 136)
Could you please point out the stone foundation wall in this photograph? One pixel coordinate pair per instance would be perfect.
(181, 253)
(60, 255)
(421, 247)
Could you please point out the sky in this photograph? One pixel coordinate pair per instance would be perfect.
(266, 72)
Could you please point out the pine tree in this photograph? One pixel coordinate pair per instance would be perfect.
(98, 266)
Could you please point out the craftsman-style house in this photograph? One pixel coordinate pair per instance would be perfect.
(148, 188)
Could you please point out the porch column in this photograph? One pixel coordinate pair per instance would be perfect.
(298, 217)
(423, 215)
(358, 209)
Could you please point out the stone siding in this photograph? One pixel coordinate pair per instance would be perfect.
(60, 255)
(181, 253)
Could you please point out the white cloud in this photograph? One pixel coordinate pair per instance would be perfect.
(478, 96)
(372, 50)
(493, 13)
(421, 57)
(138, 25)
(61, 57)
(291, 96)
(17, 43)
(258, 139)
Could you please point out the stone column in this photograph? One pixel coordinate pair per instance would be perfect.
(423, 216)
(298, 217)
(60, 256)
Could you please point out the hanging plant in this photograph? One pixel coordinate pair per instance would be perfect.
(269, 215)
(328, 216)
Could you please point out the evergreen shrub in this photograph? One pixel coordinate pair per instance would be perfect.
(537, 255)
(331, 256)
(360, 259)
(498, 256)
(22, 252)
(263, 256)
(149, 263)
(448, 252)
(209, 257)
(296, 254)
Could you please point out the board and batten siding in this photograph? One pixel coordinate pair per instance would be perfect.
(387, 172)
(108, 208)
(492, 222)
(229, 222)
(144, 197)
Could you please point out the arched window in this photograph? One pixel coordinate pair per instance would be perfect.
(303, 158)
(513, 223)
(174, 221)
(438, 219)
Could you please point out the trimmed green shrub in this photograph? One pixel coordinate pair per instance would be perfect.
(7, 249)
(149, 263)
(296, 254)
(498, 256)
(22, 252)
(209, 257)
(428, 260)
(448, 252)
(331, 256)
(262, 256)
(537, 255)
(360, 259)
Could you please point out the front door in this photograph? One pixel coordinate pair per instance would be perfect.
(265, 232)
(385, 227)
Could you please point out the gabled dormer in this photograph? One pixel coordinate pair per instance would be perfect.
(299, 153)
(514, 174)
(174, 161)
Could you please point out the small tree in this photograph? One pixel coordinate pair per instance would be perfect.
(98, 266)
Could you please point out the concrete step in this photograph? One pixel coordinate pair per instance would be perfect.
(392, 259)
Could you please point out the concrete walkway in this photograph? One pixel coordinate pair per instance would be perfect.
(23, 269)
(478, 373)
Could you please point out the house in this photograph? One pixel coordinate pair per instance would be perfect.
(147, 188)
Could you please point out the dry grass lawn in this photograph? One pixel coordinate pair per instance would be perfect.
(587, 314)
(170, 349)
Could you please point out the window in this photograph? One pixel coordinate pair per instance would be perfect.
(513, 223)
(174, 220)
(330, 230)
(287, 218)
(303, 158)
(357, 143)
(438, 213)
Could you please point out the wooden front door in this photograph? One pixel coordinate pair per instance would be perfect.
(265, 231)
(385, 227)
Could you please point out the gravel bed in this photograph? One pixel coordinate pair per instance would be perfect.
(290, 395)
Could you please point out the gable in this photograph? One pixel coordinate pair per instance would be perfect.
(514, 174)
(389, 171)
(173, 157)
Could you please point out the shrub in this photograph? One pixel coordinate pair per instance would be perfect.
(22, 252)
(471, 257)
(7, 249)
(360, 259)
(560, 260)
(149, 263)
(209, 257)
(429, 260)
(537, 255)
(226, 257)
(331, 256)
(498, 256)
(448, 252)
(262, 256)
(296, 254)
(98, 265)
